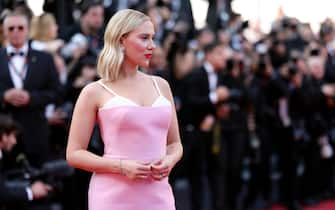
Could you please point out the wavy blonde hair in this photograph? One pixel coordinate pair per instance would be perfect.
(41, 26)
(111, 56)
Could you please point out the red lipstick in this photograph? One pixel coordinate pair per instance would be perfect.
(148, 56)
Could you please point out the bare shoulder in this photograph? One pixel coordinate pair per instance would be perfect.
(91, 94)
(163, 86)
(162, 83)
(91, 89)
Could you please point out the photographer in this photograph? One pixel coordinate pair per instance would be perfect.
(9, 193)
(231, 116)
(319, 151)
(203, 94)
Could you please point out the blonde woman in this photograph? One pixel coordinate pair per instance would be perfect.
(137, 120)
(44, 31)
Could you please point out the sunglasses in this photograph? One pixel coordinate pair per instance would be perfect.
(12, 28)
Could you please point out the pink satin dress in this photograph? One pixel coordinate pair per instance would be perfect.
(131, 131)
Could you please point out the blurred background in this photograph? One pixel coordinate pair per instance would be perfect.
(259, 134)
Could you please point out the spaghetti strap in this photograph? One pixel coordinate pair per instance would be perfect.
(107, 88)
(156, 85)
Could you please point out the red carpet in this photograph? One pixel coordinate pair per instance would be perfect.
(325, 205)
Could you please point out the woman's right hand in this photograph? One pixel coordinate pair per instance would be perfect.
(134, 169)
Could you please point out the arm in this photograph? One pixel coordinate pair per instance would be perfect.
(10, 194)
(195, 95)
(198, 94)
(174, 150)
(53, 91)
(174, 146)
(83, 121)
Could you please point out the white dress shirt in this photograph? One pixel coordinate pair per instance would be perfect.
(17, 65)
(213, 81)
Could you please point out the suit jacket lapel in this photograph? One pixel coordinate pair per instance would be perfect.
(31, 62)
(5, 68)
(205, 76)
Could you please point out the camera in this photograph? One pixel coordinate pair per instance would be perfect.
(77, 41)
(51, 172)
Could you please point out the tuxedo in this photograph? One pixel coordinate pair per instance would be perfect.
(42, 83)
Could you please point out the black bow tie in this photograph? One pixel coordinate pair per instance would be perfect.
(11, 54)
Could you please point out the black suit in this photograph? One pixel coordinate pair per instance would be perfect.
(234, 133)
(42, 83)
(11, 194)
(14, 194)
(198, 106)
(198, 101)
(330, 68)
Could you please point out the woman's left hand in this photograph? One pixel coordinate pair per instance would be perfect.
(161, 168)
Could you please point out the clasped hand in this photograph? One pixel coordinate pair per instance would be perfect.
(17, 97)
(158, 169)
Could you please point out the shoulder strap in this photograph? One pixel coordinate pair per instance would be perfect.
(156, 85)
(107, 88)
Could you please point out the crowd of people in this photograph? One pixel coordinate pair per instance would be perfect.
(245, 99)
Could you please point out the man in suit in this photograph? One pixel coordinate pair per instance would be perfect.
(10, 193)
(29, 82)
(202, 97)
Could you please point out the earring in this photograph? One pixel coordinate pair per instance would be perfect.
(122, 49)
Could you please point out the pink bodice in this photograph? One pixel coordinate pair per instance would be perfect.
(135, 132)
